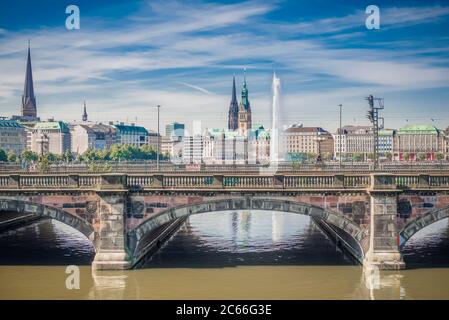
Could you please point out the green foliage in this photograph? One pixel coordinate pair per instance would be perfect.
(122, 152)
(99, 167)
(422, 156)
(440, 156)
(3, 156)
(389, 156)
(357, 157)
(44, 163)
(29, 155)
(68, 156)
(406, 156)
(12, 157)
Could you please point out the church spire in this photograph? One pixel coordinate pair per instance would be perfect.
(244, 115)
(233, 109)
(85, 112)
(244, 103)
(28, 98)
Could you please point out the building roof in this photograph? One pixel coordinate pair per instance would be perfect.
(386, 132)
(350, 129)
(51, 125)
(9, 124)
(305, 129)
(418, 129)
(131, 129)
(95, 127)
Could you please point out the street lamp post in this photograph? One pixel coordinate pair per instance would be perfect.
(158, 137)
(319, 140)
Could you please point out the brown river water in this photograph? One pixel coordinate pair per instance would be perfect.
(222, 255)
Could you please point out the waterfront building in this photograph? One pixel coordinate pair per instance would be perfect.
(446, 144)
(171, 147)
(12, 136)
(229, 147)
(50, 136)
(356, 141)
(131, 134)
(262, 144)
(418, 142)
(175, 130)
(192, 151)
(154, 139)
(386, 140)
(300, 141)
(92, 136)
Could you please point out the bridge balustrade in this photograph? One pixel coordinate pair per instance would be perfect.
(234, 181)
(89, 181)
(44, 181)
(356, 181)
(310, 182)
(140, 181)
(406, 181)
(4, 181)
(187, 181)
(439, 181)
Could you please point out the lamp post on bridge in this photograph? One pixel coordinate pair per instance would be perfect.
(158, 136)
(319, 140)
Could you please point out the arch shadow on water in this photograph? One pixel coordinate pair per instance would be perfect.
(428, 247)
(46, 242)
(244, 238)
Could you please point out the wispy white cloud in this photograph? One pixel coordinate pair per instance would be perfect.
(194, 87)
(126, 66)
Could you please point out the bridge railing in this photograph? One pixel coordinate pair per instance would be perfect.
(213, 181)
(147, 167)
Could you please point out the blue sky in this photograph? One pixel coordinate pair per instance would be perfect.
(130, 55)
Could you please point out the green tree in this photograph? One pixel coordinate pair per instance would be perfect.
(422, 156)
(3, 156)
(406, 156)
(357, 157)
(89, 155)
(440, 156)
(44, 164)
(389, 156)
(29, 156)
(148, 152)
(12, 157)
(68, 156)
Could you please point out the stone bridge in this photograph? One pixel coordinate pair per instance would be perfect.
(124, 215)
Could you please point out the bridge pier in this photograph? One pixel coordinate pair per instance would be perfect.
(110, 246)
(383, 251)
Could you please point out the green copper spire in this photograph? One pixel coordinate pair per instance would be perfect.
(245, 100)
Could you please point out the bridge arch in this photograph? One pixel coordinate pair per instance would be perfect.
(136, 236)
(42, 210)
(421, 222)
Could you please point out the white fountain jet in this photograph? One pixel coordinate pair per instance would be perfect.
(276, 128)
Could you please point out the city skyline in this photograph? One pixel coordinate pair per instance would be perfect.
(323, 59)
